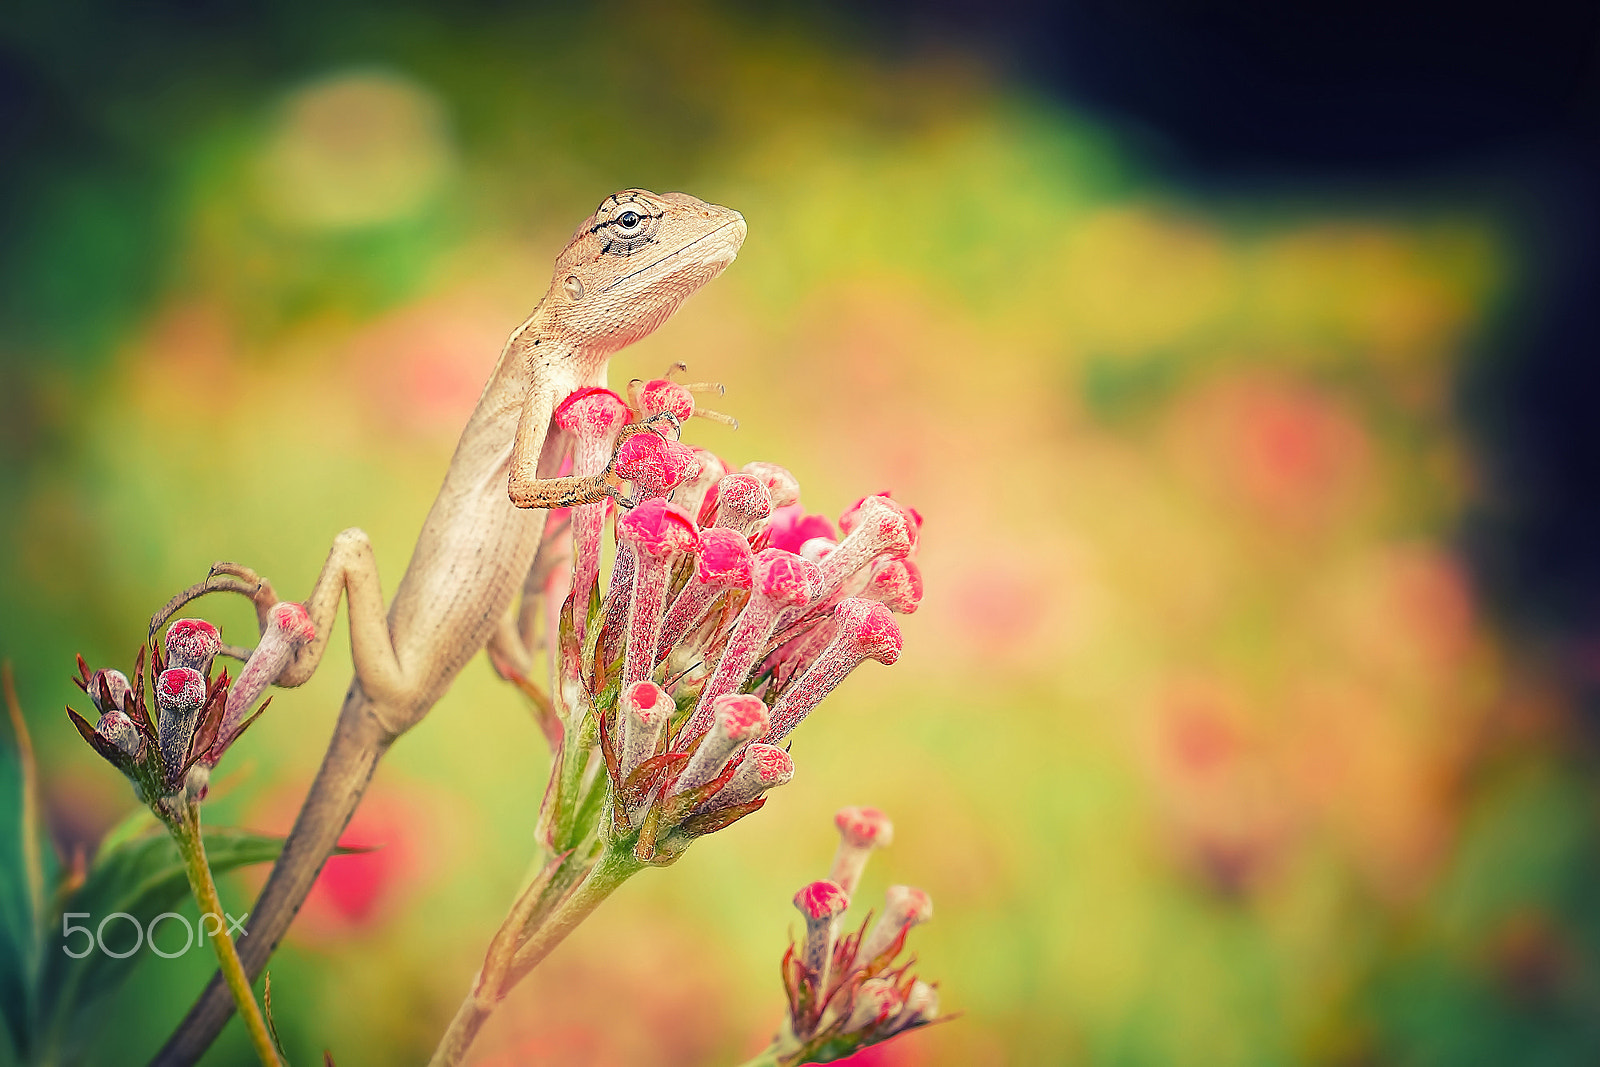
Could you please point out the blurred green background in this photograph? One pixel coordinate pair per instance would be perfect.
(1204, 741)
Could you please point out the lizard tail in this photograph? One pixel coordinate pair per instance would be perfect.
(359, 741)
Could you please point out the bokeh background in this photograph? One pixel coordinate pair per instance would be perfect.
(1237, 357)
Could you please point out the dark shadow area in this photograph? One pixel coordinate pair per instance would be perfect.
(1500, 105)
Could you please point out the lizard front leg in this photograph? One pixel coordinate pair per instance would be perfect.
(529, 488)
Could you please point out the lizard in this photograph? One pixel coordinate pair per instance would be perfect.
(628, 267)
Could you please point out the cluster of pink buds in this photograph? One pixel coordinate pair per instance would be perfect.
(198, 713)
(729, 615)
(848, 992)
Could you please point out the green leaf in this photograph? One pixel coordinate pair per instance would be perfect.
(140, 874)
(26, 868)
(18, 930)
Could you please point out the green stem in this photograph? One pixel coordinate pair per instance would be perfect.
(614, 867)
(186, 830)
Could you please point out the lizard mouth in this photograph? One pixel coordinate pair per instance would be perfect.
(728, 252)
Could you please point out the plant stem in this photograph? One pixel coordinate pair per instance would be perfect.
(614, 867)
(186, 830)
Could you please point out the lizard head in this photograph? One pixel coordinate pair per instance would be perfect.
(634, 261)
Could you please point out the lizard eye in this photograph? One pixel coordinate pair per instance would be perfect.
(629, 231)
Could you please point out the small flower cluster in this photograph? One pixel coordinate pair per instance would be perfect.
(198, 714)
(729, 615)
(846, 993)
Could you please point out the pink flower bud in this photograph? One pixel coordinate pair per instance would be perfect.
(820, 903)
(293, 621)
(897, 585)
(646, 709)
(723, 562)
(107, 688)
(904, 907)
(783, 577)
(659, 394)
(848, 520)
(116, 727)
(876, 1001)
(782, 580)
(658, 532)
(289, 628)
(654, 464)
(921, 1007)
(860, 831)
(592, 417)
(782, 486)
(738, 719)
(878, 526)
(762, 767)
(743, 503)
(659, 529)
(180, 693)
(790, 527)
(866, 631)
(192, 643)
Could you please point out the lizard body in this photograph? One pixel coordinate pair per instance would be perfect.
(626, 270)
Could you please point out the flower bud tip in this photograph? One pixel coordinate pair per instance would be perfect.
(821, 900)
(658, 527)
(192, 643)
(294, 622)
(864, 827)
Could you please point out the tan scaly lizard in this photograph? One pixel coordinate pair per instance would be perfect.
(627, 269)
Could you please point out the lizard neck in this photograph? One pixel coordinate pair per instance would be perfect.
(543, 352)
(536, 352)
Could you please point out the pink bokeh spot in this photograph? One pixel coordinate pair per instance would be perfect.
(1293, 453)
(999, 605)
(358, 893)
(423, 367)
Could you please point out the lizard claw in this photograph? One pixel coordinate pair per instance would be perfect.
(666, 417)
(625, 501)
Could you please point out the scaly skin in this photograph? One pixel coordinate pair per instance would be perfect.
(626, 270)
